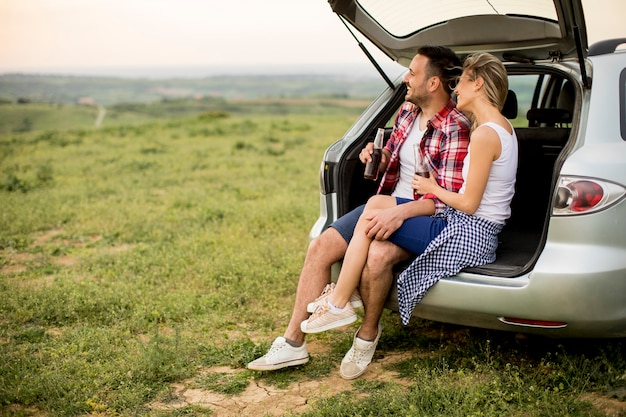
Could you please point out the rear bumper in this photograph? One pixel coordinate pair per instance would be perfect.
(589, 298)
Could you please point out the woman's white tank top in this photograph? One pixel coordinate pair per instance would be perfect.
(496, 202)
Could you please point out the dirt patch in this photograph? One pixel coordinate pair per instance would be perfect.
(611, 407)
(14, 262)
(45, 237)
(262, 399)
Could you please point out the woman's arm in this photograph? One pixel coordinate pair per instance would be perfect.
(485, 148)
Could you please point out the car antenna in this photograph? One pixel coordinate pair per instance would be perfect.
(369, 56)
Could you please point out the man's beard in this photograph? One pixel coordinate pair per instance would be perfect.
(420, 100)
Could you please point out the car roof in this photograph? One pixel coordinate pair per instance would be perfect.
(514, 30)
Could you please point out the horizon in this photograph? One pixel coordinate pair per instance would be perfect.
(358, 70)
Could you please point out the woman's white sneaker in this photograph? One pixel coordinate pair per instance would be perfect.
(355, 298)
(326, 318)
(280, 355)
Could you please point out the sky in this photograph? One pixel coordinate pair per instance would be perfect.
(248, 35)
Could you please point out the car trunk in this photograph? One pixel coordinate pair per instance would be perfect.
(523, 35)
(542, 139)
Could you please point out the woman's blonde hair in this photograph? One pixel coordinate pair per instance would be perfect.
(493, 72)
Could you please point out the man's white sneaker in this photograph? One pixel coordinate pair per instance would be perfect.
(355, 298)
(326, 318)
(280, 355)
(359, 356)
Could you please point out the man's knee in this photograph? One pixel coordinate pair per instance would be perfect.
(383, 255)
(329, 244)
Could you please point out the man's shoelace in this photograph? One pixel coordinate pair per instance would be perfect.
(275, 348)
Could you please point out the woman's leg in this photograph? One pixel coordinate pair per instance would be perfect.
(356, 254)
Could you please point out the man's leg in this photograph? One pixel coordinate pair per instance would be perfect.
(415, 234)
(322, 253)
(290, 349)
(376, 281)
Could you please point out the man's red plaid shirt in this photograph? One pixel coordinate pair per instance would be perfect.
(445, 145)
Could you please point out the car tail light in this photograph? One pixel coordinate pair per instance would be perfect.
(579, 195)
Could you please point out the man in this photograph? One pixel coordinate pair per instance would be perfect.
(428, 116)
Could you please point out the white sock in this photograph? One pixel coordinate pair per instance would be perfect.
(333, 307)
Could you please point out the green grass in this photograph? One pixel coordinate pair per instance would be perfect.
(32, 117)
(456, 371)
(139, 255)
(37, 116)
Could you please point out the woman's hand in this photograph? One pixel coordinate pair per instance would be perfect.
(423, 185)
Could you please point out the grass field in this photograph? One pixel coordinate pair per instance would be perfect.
(20, 118)
(146, 254)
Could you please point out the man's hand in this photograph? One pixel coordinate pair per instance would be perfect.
(366, 155)
(382, 223)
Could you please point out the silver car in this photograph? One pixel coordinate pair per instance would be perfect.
(561, 263)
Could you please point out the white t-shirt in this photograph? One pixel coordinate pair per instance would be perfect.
(407, 161)
(496, 202)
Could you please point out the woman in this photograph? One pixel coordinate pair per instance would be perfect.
(465, 234)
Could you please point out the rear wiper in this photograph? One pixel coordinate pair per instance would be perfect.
(369, 56)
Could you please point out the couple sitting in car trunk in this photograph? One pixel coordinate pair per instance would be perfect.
(445, 222)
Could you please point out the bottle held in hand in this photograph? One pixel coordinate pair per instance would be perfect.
(371, 168)
(421, 166)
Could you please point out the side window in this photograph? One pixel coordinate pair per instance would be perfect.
(622, 103)
(524, 87)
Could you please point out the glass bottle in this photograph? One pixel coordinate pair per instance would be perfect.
(371, 168)
(421, 166)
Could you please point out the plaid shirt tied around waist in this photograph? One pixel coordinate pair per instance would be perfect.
(466, 241)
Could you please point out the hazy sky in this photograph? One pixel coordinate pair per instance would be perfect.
(95, 33)
(44, 34)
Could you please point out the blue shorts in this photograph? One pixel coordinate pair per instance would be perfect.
(345, 224)
(414, 235)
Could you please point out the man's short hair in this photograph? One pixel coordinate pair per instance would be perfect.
(442, 63)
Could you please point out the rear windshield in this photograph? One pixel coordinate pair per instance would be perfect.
(402, 18)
